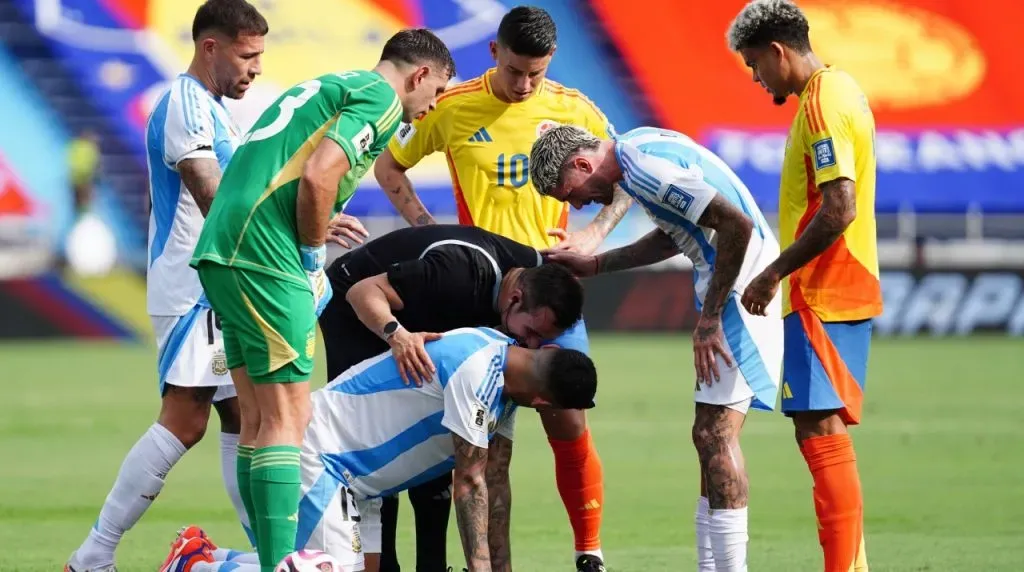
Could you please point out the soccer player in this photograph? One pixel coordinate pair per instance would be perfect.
(190, 139)
(829, 263)
(704, 211)
(261, 253)
(485, 127)
(462, 420)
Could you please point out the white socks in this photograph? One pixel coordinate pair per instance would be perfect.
(721, 538)
(705, 556)
(138, 483)
(228, 459)
(228, 555)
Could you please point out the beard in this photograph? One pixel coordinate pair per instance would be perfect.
(779, 100)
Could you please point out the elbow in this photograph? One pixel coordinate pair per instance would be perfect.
(385, 169)
(468, 480)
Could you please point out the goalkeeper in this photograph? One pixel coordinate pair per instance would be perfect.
(261, 253)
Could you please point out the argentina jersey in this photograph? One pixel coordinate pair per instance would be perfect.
(187, 122)
(377, 436)
(674, 179)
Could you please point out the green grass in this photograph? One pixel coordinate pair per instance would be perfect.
(940, 456)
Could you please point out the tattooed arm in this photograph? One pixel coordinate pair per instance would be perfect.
(499, 493)
(838, 209)
(393, 179)
(655, 246)
(587, 240)
(732, 229)
(201, 177)
(471, 503)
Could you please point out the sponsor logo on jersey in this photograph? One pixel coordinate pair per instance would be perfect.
(545, 125)
(405, 133)
(362, 141)
(824, 154)
(219, 363)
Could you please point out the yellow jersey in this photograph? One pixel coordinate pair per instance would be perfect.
(832, 137)
(487, 144)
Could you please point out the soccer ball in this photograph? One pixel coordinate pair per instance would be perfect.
(308, 561)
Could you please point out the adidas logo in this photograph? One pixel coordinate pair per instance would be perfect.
(482, 136)
(591, 504)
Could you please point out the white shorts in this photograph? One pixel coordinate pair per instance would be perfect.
(331, 520)
(755, 344)
(190, 352)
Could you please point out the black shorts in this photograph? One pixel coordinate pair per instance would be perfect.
(347, 340)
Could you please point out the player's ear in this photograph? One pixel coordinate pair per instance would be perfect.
(582, 164)
(208, 45)
(494, 50)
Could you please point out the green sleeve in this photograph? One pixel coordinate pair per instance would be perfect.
(368, 117)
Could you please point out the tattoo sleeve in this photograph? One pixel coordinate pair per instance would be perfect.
(654, 247)
(610, 215)
(733, 230)
(837, 211)
(471, 506)
(499, 494)
(201, 177)
(393, 179)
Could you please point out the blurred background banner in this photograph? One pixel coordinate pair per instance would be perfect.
(948, 103)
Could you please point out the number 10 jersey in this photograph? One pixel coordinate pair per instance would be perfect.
(487, 142)
(251, 224)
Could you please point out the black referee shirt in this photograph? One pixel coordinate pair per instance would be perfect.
(447, 276)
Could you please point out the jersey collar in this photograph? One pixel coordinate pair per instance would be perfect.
(821, 70)
(489, 88)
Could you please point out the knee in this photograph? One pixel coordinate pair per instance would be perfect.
(230, 415)
(564, 424)
(189, 427)
(817, 424)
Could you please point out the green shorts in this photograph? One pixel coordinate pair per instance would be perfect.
(269, 325)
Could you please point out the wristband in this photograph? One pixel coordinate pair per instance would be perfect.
(313, 257)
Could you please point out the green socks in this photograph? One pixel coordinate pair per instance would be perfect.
(242, 469)
(276, 486)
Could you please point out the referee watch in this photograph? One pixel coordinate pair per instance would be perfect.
(390, 329)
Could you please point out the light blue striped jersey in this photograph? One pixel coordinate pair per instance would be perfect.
(674, 179)
(379, 436)
(186, 123)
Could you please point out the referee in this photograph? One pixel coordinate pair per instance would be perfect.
(395, 291)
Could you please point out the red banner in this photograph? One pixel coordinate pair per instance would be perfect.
(923, 63)
(14, 199)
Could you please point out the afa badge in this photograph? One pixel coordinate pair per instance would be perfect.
(357, 541)
(824, 154)
(545, 125)
(219, 363)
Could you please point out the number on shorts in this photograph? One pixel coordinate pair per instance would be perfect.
(286, 110)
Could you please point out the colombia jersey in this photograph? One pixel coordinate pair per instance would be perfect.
(831, 137)
(487, 145)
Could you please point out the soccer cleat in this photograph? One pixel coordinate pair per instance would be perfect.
(72, 566)
(192, 531)
(590, 563)
(186, 553)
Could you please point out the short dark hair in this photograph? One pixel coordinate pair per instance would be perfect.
(553, 286)
(417, 46)
(571, 379)
(762, 22)
(229, 17)
(528, 31)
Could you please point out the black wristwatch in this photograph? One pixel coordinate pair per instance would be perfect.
(390, 328)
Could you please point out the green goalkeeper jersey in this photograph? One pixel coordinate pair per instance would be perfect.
(251, 224)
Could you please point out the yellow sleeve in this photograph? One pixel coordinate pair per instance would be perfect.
(594, 119)
(829, 135)
(414, 141)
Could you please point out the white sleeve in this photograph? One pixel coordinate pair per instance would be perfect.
(468, 397)
(189, 127)
(681, 191)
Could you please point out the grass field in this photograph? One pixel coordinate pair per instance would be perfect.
(940, 455)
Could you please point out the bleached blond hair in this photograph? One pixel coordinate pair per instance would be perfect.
(552, 151)
(762, 22)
